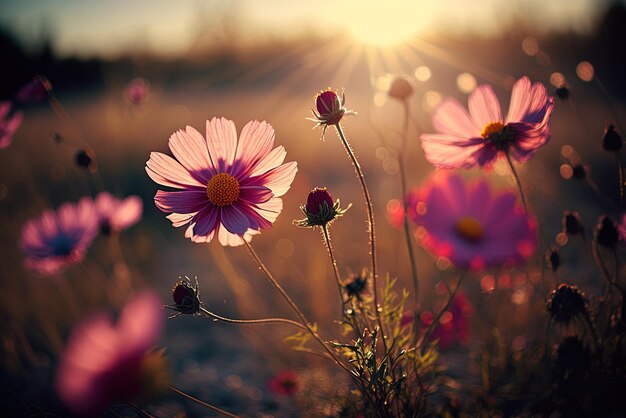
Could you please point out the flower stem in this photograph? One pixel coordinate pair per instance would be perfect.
(331, 254)
(620, 175)
(407, 230)
(441, 312)
(517, 180)
(252, 321)
(206, 405)
(305, 323)
(370, 222)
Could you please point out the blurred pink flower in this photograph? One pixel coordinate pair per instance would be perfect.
(8, 124)
(137, 90)
(116, 214)
(35, 91)
(56, 239)
(453, 327)
(231, 187)
(482, 136)
(285, 383)
(469, 225)
(104, 362)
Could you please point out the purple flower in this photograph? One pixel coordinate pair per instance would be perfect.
(57, 239)
(470, 225)
(137, 90)
(105, 362)
(116, 214)
(230, 188)
(8, 124)
(35, 91)
(482, 136)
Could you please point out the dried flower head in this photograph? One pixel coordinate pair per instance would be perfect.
(356, 285)
(401, 88)
(186, 298)
(572, 222)
(330, 109)
(554, 258)
(565, 303)
(612, 140)
(606, 232)
(320, 209)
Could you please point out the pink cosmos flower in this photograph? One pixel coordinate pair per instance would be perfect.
(137, 90)
(471, 225)
(57, 239)
(116, 214)
(8, 124)
(229, 187)
(482, 136)
(105, 362)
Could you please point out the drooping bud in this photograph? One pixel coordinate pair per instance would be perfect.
(320, 209)
(400, 88)
(565, 303)
(606, 232)
(612, 140)
(186, 298)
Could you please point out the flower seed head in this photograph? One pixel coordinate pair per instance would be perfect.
(400, 88)
(320, 209)
(612, 141)
(606, 232)
(565, 303)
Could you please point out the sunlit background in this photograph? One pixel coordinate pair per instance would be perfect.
(249, 59)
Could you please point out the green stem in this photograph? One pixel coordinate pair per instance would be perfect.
(371, 227)
(252, 321)
(331, 254)
(305, 323)
(441, 312)
(206, 405)
(517, 180)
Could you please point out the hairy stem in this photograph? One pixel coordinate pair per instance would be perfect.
(333, 261)
(517, 180)
(371, 227)
(252, 321)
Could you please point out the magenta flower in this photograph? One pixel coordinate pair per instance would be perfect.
(116, 214)
(57, 239)
(105, 362)
(8, 124)
(231, 187)
(482, 136)
(137, 90)
(470, 225)
(35, 91)
(286, 383)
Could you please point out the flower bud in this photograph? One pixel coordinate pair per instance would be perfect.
(606, 232)
(320, 209)
(186, 298)
(612, 141)
(572, 222)
(356, 285)
(400, 88)
(565, 303)
(329, 109)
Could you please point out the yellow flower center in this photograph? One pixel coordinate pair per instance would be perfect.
(491, 128)
(470, 228)
(223, 189)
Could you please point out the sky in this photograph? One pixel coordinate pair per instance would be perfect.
(172, 27)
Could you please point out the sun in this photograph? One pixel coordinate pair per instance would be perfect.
(385, 24)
